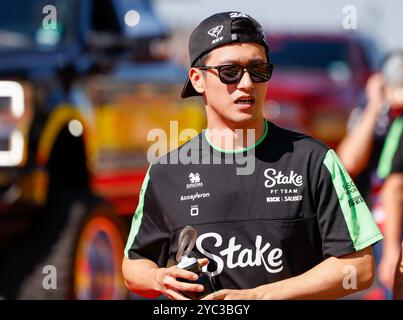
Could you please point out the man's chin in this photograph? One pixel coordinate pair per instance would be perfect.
(244, 119)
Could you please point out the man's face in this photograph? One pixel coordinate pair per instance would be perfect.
(224, 101)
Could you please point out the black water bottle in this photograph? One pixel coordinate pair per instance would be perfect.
(191, 264)
(187, 238)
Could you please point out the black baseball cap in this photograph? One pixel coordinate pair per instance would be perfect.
(218, 30)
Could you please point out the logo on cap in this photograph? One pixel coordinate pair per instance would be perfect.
(238, 15)
(215, 32)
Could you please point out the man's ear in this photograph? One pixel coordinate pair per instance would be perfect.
(197, 79)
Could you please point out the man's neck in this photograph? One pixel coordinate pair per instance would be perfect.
(231, 136)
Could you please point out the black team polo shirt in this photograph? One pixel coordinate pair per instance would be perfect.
(298, 207)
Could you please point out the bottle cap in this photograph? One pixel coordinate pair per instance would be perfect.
(186, 262)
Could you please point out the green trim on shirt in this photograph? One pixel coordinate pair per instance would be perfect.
(138, 216)
(360, 223)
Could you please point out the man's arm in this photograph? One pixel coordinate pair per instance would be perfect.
(355, 149)
(147, 279)
(331, 279)
(398, 283)
(392, 200)
(347, 232)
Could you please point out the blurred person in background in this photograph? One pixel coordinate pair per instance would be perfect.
(368, 151)
(391, 169)
(391, 264)
(296, 247)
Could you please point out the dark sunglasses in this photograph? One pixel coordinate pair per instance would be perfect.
(233, 73)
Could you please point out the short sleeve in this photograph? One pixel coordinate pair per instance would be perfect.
(391, 157)
(345, 222)
(148, 237)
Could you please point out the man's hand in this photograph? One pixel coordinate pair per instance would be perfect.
(355, 150)
(392, 199)
(171, 287)
(247, 294)
(324, 281)
(375, 92)
(387, 267)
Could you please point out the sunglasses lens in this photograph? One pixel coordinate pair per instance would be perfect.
(230, 74)
(260, 72)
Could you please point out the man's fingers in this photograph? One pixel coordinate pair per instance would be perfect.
(174, 295)
(208, 297)
(172, 279)
(182, 286)
(181, 273)
(203, 261)
(218, 295)
(387, 269)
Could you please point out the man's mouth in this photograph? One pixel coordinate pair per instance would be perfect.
(245, 100)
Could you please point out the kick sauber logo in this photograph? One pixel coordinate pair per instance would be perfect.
(282, 187)
(195, 182)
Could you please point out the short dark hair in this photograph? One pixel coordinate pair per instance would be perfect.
(201, 61)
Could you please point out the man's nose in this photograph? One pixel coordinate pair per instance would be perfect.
(246, 82)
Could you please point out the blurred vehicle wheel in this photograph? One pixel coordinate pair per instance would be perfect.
(98, 257)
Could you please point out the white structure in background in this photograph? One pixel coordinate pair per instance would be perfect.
(12, 94)
(380, 20)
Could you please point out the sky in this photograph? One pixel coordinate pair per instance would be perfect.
(380, 20)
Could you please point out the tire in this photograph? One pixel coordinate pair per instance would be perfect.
(98, 258)
(54, 243)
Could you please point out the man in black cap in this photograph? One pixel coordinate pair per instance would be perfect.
(293, 227)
